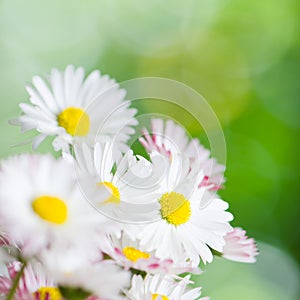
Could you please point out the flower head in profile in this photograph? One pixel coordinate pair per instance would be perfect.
(128, 254)
(73, 108)
(169, 138)
(238, 247)
(41, 204)
(159, 287)
(117, 185)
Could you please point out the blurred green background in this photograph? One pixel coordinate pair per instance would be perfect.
(242, 56)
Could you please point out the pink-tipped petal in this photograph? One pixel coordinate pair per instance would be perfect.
(238, 247)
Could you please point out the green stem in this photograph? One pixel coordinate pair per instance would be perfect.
(16, 283)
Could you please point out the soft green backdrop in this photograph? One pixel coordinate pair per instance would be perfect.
(242, 56)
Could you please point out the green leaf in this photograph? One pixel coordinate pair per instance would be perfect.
(74, 293)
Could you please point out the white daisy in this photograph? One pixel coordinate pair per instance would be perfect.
(122, 187)
(158, 287)
(33, 284)
(71, 108)
(169, 139)
(128, 254)
(41, 204)
(190, 220)
(238, 247)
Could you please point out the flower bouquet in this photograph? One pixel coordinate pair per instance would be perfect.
(101, 222)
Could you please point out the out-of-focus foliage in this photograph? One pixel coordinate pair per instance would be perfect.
(242, 56)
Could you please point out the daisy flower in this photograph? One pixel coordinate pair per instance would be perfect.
(158, 287)
(33, 284)
(122, 187)
(73, 109)
(170, 139)
(47, 206)
(184, 226)
(238, 247)
(128, 254)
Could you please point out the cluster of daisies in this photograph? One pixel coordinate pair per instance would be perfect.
(101, 222)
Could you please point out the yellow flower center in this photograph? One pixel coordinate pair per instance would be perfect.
(162, 297)
(115, 193)
(50, 209)
(75, 121)
(175, 208)
(48, 293)
(134, 254)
